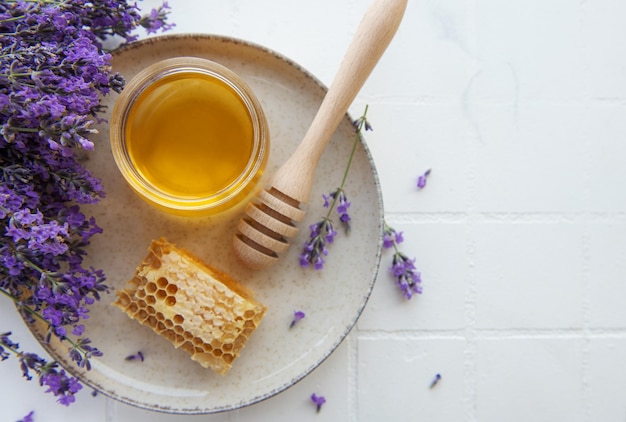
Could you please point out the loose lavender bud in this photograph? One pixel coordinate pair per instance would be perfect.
(421, 180)
(435, 381)
(28, 418)
(297, 316)
(137, 356)
(318, 401)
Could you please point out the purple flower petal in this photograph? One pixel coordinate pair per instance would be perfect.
(297, 316)
(318, 401)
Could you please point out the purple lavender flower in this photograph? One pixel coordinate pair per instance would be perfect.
(314, 250)
(318, 401)
(408, 279)
(435, 381)
(61, 385)
(339, 199)
(297, 316)
(57, 381)
(156, 20)
(53, 72)
(137, 356)
(392, 238)
(421, 180)
(7, 346)
(28, 418)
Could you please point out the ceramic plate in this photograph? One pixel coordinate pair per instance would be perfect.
(276, 356)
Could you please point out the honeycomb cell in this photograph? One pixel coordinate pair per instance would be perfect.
(171, 289)
(188, 347)
(150, 300)
(151, 287)
(162, 282)
(170, 301)
(178, 319)
(153, 260)
(169, 335)
(124, 300)
(161, 294)
(239, 342)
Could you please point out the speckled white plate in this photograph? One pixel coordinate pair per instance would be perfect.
(275, 357)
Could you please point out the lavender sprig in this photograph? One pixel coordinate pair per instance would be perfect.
(408, 279)
(323, 232)
(53, 72)
(47, 372)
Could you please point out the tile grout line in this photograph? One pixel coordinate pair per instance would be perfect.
(588, 217)
(473, 134)
(497, 334)
(110, 410)
(353, 376)
(587, 332)
(576, 217)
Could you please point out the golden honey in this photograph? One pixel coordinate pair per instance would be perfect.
(189, 136)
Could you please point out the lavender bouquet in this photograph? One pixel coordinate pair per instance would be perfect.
(53, 72)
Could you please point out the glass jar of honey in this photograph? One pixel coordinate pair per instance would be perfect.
(189, 136)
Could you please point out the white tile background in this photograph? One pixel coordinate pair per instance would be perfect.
(519, 108)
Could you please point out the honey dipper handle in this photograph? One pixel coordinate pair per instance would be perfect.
(372, 37)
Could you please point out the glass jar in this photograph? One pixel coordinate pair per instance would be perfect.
(189, 136)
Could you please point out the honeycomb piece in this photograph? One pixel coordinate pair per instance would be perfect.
(197, 308)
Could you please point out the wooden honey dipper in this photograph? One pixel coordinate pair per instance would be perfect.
(264, 231)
